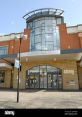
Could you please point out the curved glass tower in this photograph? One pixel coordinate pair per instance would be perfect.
(44, 29)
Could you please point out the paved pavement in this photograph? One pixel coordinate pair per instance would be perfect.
(40, 99)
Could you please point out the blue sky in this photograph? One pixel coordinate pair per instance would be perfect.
(11, 12)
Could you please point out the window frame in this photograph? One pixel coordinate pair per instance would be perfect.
(5, 50)
(3, 77)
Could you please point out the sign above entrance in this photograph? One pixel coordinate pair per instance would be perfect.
(17, 63)
(72, 83)
(40, 53)
(69, 71)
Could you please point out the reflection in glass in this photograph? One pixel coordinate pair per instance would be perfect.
(2, 76)
(46, 77)
(44, 30)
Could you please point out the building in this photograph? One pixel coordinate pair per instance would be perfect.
(50, 53)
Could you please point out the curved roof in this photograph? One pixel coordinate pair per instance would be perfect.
(42, 12)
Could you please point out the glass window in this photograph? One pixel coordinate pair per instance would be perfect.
(32, 41)
(49, 46)
(48, 23)
(30, 25)
(44, 47)
(37, 24)
(54, 38)
(2, 76)
(44, 77)
(37, 31)
(41, 22)
(48, 29)
(48, 37)
(54, 22)
(33, 24)
(38, 46)
(34, 69)
(43, 38)
(37, 38)
(44, 31)
(3, 50)
(58, 20)
(51, 69)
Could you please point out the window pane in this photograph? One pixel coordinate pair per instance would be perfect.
(37, 24)
(37, 31)
(45, 31)
(58, 20)
(38, 46)
(37, 38)
(49, 45)
(41, 23)
(2, 76)
(48, 37)
(48, 29)
(3, 50)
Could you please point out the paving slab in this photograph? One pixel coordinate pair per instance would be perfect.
(40, 99)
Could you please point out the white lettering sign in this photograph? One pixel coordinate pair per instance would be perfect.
(16, 63)
(10, 113)
(72, 83)
(69, 72)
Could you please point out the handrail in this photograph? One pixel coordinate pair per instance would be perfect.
(59, 11)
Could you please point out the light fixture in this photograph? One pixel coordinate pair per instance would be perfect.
(55, 59)
(69, 46)
(80, 35)
(26, 59)
(11, 46)
(25, 37)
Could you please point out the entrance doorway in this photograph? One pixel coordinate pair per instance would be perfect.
(44, 77)
(54, 80)
(2, 78)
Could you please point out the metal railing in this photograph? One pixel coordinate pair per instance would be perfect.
(49, 11)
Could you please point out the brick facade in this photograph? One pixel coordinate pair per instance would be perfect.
(63, 65)
(67, 41)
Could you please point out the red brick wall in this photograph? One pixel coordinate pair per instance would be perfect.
(68, 41)
(16, 46)
(13, 45)
(81, 42)
(4, 43)
(25, 45)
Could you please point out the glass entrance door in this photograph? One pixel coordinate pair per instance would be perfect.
(33, 81)
(43, 81)
(55, 81)
(49, 81)
(44, 77)
(52, 81)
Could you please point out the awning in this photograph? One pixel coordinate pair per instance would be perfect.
(5, 65)
(48, 56)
